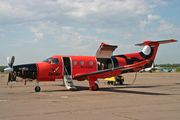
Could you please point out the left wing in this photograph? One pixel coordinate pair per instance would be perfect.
(109, 72)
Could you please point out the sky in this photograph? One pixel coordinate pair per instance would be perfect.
(33, 30)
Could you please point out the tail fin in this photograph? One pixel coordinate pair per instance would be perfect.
(150, 49)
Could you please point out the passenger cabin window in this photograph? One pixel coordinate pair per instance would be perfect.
(91, 62)
(75, 62)
(82, 62)
(55, 61)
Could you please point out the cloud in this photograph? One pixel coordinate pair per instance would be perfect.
(39, 35)
(79, 26)
(91, 13)
(26, 41)
(67, 28)
(153, 17)
(150, 18)
(164, 25)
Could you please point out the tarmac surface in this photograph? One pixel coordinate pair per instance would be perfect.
(153, 96)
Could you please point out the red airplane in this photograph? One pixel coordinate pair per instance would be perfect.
(90, 68)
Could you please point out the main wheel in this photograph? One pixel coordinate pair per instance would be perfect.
(37, 89)
(95, 88)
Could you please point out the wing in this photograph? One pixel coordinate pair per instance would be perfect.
(109, 72)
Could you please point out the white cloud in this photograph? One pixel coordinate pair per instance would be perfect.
(67, 28)
(39, 35)
(153, 17)
(150, 18)
(93, 13)
(164, 26)
(28, 41)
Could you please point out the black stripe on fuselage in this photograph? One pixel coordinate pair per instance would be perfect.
(128, 61)
(115, 61)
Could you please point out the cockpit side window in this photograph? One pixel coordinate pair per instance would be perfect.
(55, 61)
(47, 60)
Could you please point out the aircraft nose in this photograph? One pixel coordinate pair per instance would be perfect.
(26, 71)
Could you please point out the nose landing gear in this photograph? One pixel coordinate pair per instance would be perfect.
(37, 88)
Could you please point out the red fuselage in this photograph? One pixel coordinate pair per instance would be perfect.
(71, 65)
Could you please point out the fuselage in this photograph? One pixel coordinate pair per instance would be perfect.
(55, 67)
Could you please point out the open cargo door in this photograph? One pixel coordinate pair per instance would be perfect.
(105, 51)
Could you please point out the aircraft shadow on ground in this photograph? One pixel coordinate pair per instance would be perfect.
(118, 89)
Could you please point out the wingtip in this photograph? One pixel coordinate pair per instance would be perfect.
(173, 40)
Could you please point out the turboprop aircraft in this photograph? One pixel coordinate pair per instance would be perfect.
(150, 69)
(103, 65)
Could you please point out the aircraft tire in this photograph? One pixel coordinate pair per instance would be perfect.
(95, 88)
(37, 89)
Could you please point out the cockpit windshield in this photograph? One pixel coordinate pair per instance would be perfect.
(47, 60)
(52, 60)
(55, 61)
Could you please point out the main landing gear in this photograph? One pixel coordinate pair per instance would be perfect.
(93, 86)
(37, 88)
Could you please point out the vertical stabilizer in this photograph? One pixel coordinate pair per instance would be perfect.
(150, 49)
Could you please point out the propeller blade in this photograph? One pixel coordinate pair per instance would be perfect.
(10, 70)
(9, 77)
(12, 75)
(8, 61)
(12, 61)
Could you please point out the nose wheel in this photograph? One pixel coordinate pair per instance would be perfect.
(37, 88)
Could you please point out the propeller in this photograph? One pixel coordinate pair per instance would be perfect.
(10, 69)
(11, 62)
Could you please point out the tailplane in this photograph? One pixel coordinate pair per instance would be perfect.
(155, 42)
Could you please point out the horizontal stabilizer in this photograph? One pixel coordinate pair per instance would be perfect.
(160, 42)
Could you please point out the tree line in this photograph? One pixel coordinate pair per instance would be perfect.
(2, 68)
(175, 65)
